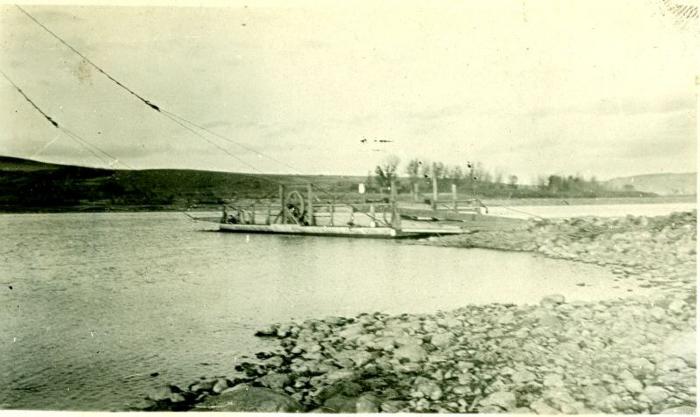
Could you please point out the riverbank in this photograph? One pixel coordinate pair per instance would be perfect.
(631, 355)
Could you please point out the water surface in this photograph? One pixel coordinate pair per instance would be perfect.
(92, 304)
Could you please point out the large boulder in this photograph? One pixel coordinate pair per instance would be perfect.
(250, 399)
(410, 353)
(503, 399)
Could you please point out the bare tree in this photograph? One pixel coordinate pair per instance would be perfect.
(413, 168)
(513, 181)
(386, 170)
(456, 173)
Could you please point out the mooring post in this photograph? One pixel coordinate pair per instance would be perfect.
(433, 173)
(454, 196)
(310, 210)
(415, 191)
(283, 202)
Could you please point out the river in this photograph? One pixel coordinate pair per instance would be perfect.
(98, 309)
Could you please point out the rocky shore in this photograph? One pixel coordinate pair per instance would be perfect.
(632, 355)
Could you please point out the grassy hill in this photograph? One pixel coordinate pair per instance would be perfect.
(661, 184)
(33, 186)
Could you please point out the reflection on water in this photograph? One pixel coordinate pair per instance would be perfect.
(92, 304)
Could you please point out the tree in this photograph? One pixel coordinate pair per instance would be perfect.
(386, 170)
(440, 170)
(414, 169)
(456, 173)
(498, 177)
(513, 181)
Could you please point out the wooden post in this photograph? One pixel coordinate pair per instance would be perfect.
(310, 210)
(269, 213)
(283, 198)
(454, 196)
(415, 191)
(435, 188)
(331, 209)
(395, 216)
(473, 181)
(252, 215)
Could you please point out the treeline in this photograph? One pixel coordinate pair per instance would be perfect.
(474, 178)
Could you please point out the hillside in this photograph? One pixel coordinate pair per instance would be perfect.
(33, 186)
(661, 184)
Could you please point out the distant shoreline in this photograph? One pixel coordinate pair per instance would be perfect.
(95, 208)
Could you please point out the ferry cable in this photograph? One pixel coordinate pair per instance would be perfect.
(172, 116)
(46, 116)
(74, 136)
(153, 106)
(148, 103)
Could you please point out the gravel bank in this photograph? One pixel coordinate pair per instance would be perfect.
(632, 355)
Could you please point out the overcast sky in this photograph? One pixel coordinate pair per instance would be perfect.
(603, 88)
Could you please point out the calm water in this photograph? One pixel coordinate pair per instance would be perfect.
(91, 304)
(603, 210)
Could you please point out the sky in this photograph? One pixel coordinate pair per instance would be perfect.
(605, 88)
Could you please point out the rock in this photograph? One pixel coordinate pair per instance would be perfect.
(160, 393)
(441, 339)
(367, 403)
(540, 406)
(339, 375)
(203, 386)
(522, 376)
(657, 313)
(341, 404)
(677, 306)
(503, 399)
(352, 358)
(594, 394)
(490, 409)
(410, 353)
(552, 300)
(548, 323)
(559, 397)
(656, 394)
(641, 367)
(682, 345)
(220, 385)
(250, 399)
(672, 364)
(392, 406)
(269, 331)
(633, 385)
(506, 319)
(427, 388)
(346, 389)
(275, 380)
(352, 331)
(553, 380)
